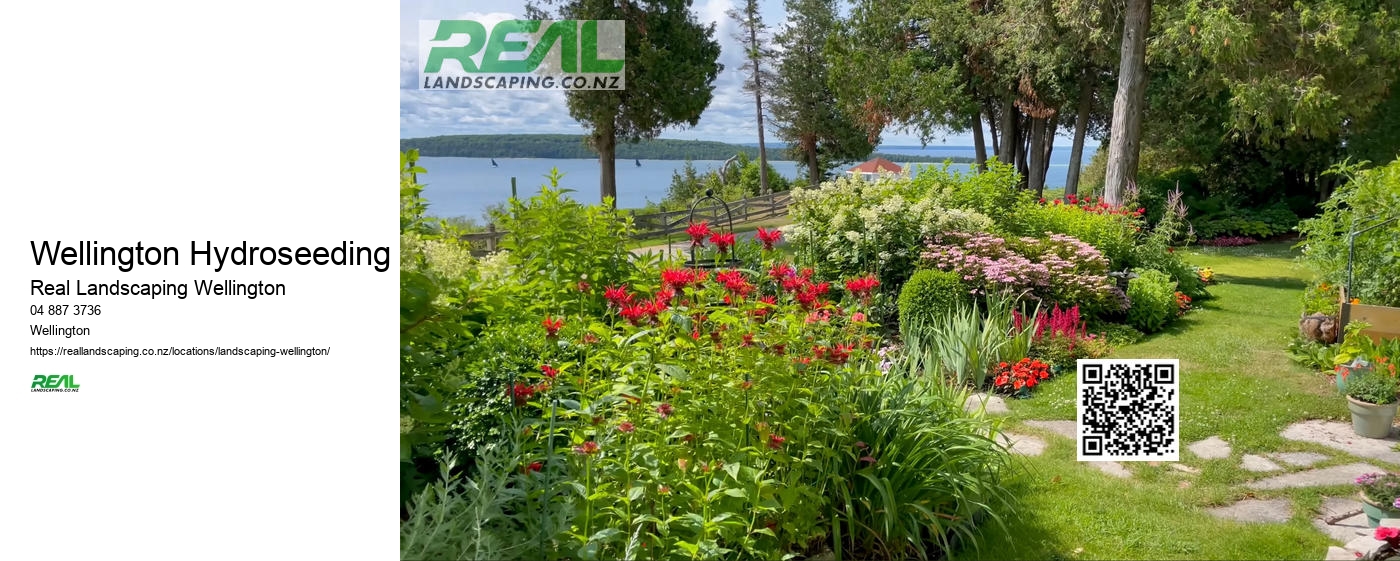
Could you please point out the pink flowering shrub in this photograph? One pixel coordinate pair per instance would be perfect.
(1057, 268)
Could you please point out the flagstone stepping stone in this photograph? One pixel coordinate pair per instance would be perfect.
(1363, 544)
(995, 404)
(1062, 428)
(1212, 448)
(1340, 436)
(1023, 444)
(1335, 553)
(1335, 475)
(1185, 469)
(1113, 468)
(1299, 459)
(1251, 462)
(1346, 529)
(1256, 510)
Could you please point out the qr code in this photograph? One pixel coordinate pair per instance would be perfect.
(1129, 410)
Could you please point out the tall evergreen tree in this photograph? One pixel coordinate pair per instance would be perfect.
(753, 36)
(671, 64)
(804, 107)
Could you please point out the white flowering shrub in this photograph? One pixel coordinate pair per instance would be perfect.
(850, 226)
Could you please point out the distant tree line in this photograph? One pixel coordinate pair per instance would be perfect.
(569, 146)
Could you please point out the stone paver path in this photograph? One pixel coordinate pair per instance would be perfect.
(1335, 475)
(1114, 469)
(1212, 448)
(1023, 444)
(1251, 462)
(1256, 510)
(1299, 459)
(1346, 529)
(995, 404)
(1062, 428)
(1341, 437)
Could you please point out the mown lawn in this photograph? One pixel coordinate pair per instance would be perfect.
(1236, 383)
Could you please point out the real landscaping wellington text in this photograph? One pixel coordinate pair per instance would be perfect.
(88, 253)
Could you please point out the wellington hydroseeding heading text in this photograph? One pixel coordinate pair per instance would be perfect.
(128, 257)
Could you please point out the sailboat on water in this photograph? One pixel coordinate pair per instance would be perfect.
(493, 163)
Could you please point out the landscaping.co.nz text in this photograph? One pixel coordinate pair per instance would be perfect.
(180, 351)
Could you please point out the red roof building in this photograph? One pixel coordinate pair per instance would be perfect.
(873, 169)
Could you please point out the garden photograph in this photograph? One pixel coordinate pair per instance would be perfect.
(1150, 309)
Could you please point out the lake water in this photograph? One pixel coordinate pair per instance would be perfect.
(467, 186)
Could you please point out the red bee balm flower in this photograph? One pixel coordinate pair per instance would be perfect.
(781, 271)
(862, 287)
(769, 237)
(664, 410)
(549, 370)
(776, 442)
(617, 295)
(722, 241)
(522, 393)
(697, 232)
(626, 427)
(534, 466)
(588, 448)
(552, 327)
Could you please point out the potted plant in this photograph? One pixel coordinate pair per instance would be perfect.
(1357, 368)
(1380, 493)
(1371, 398)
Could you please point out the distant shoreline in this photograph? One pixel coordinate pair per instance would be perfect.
(573, 147)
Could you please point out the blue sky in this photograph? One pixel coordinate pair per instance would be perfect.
(729, 118)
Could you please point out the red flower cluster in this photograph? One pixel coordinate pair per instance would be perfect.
(1096, 205)
(835, 355)
(549, 371)
(1026, 373)
(1183, 303)
(617, 295)
(800, 285)
(765, 307)
(522, 393)
(697, 233)
(552, 327)
(722, 241)
(588, 448)
(649, 310)
(664, 410)
(862, 287)
(735, 283)
(678, 279)
(776, 442)
(768, 237)
(781, 271)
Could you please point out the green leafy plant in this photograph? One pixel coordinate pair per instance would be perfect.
(1312, 354)
(930, 294)
(1367, 198)
(1376, 388)
(1153, 297)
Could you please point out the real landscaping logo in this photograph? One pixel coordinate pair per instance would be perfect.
(521, 55)
(53, 383)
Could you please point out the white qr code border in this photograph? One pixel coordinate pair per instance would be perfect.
(1086, 378)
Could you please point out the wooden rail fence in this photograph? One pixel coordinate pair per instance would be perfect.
(664, 224)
